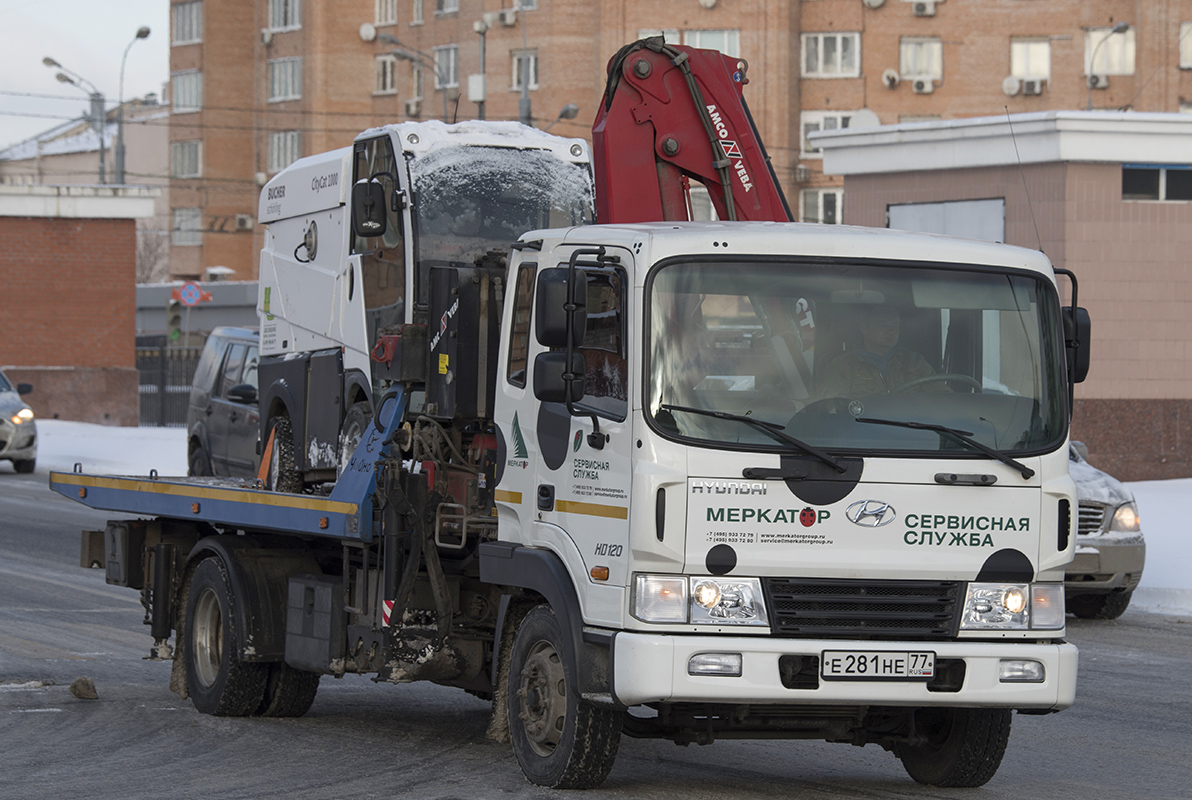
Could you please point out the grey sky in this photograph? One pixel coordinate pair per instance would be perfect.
(86, 36)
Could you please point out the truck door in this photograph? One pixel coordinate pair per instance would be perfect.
(573, 486)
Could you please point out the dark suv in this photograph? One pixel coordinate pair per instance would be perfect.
(223, 422)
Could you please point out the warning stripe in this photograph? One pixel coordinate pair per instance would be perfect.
(252, 496)
(508, 497)
(592, 509)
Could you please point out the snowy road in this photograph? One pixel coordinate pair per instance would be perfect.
(1128, 735)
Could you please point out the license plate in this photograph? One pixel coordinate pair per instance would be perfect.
(876, 665)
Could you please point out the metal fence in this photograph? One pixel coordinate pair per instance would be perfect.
(166, 375)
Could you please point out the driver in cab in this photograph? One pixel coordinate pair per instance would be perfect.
(879, 365)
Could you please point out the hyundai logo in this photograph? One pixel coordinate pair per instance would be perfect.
(870, 513)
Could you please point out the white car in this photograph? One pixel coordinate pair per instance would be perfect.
(1110, 549)
(18, 431)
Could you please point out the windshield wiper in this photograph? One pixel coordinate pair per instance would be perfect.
(775, 430)
(963, 436)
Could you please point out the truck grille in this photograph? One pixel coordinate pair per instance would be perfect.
(1091, 518)
(814, 607)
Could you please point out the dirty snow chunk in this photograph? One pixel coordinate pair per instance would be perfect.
(84, 688)
(24, 686)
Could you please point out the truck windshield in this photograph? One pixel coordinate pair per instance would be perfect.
(469, 200)
(815, 349)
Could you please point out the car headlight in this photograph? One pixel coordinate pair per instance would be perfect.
(22, 416)
(1125, 519)
(699, 600)
(1013, 606)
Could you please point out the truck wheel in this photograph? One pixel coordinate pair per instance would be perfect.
(199, 464)
(289, 692)
(964, 748)
(560, 741)
(283, 477)
(25, 467)
(355, 425)
(1100, 606)
(217, 681)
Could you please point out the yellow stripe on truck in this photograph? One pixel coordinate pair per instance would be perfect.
(508, 497)
(257, 497)
(592, 509)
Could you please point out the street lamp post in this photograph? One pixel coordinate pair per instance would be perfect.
(414, 55)
(98, 115)
(1121, 27)
(570, 111)
(142, 33)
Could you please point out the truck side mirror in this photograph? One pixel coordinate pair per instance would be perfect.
(1078, 339)
(368, 208)
(552, 317)
(554, 382)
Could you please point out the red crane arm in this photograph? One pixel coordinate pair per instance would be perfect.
(672, 114)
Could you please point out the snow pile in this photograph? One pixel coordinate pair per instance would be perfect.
(1166, 581)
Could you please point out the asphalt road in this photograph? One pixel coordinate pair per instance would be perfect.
(1129, 735)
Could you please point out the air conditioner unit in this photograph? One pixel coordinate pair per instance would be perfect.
(244, 222)
(925, 8)
(1099, 81)
(802, 174)
(924, 86)
(413, 108)
(1033, 86)
(508, 17)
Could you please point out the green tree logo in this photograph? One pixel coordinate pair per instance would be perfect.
(519, 444)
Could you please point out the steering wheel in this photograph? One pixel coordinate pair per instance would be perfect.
(941, 377)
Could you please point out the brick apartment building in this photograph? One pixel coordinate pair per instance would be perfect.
(257, 84)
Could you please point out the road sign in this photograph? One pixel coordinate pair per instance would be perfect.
(190, 294)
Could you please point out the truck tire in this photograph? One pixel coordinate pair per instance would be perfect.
(560, 741)
(964, 749)
(355, 425)
(217, 681)
(1100, 606)
(282, 475)
(289, 692)
(25, 467)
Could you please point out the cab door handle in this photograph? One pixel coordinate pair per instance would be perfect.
(546, 497)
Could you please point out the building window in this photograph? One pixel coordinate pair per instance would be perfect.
(416, 13)
(446, 7)
(283, 150)
(184, 160)
(1114, 52)
(446, 66)
(285, 79)
(524, 62)
(822, 121)
(1186, 45)
(188, 229)
(726, 41)
(1148, 182)
(285, 15)
(188, 91)
(525, 5)
(188, 23)
(921, 57)
(416, 82)
(823, 205)
(831, 55)
(386, 12)
(386, 68)
(1030, 58)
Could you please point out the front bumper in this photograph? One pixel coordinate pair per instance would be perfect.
(18, 442)
(1105, 563)
(652, 668)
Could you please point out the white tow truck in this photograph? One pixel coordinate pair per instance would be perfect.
(651, 479)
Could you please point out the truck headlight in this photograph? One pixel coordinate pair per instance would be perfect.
(660, 598)
(1125, 519)
(699, 600)
(1013, 606)
(727, 601)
